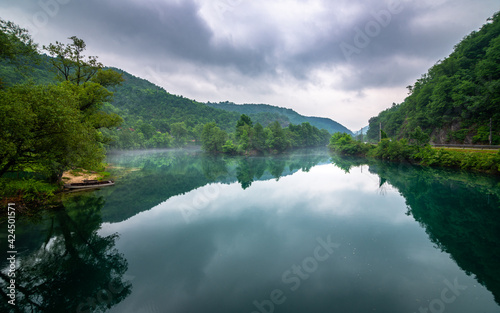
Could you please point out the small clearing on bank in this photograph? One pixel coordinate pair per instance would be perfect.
(79, 175)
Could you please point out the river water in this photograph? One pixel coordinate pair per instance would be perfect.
(301, 232)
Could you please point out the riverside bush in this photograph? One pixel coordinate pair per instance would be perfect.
(401, 150)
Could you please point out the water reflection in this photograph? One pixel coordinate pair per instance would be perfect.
(160, 175)
(69, 267)
(459, 211)
(255, 236)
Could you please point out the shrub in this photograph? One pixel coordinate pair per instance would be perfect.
(27, 189)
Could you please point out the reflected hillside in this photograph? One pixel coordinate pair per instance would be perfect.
(152, 177)
(459, 211)
(71, 268)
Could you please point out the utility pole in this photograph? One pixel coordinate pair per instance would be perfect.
(380, 132)
(491, 137)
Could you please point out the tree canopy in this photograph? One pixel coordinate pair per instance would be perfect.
(454, 101)
(51, 128)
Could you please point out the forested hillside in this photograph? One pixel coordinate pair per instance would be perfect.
(455, 100)
(155, 118)
(288, 116)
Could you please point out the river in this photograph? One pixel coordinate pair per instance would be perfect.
(301, 232)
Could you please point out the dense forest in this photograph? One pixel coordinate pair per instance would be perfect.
(62, 110)
(47, 129)
(455, 101)
(153, 117)
(252, 139)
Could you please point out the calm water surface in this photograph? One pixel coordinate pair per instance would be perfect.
(303, 232)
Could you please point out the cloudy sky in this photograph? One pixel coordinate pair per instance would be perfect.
(342, 59)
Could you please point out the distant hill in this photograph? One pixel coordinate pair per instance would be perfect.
(363, 130)
(287, 114)
(457, 99)
(138, 99)
(151, 114)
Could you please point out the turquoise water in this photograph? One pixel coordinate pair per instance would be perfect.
(302, 232)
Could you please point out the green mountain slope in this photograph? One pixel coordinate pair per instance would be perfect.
(155, 118)
(286, 115)
(454, 101)
(138, 99)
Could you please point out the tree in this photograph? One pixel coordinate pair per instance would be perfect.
(277, 139)
(84, 267)
(15, 41)
(180, 133)
(43, 126)
(69, 62)
(418, 137)
(213, 138)
(55, 127)
(244, 133)
(259, 142)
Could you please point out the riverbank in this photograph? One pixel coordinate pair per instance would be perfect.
(423, 154)
(29, 192)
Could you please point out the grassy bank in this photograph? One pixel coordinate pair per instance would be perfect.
(422, 153)
(30, 191)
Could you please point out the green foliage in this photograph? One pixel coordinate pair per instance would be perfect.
(276, 140)
(272, 139)
(43, 125)
(266, 114)
(418, 137)
(229, 147)
(458, 94)
(28, 190)
(344, 144)
(402, 151)
(70, 64)
(47, 129)
(15, 42)
(393, 150)
(213, 138)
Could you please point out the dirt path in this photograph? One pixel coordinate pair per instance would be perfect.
(71, 177)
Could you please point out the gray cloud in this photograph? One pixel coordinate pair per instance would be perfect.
(256, 43)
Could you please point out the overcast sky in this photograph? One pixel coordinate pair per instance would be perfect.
(342, 59)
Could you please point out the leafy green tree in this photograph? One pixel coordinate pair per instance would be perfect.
(229, 147)
(213, 138)
(15, 41)
(418, 137)
(244, 120)
(180, 133)
(244, 133)
(259, 142)
(55, 127)
(43, 126)
(457, 95)
(69, 62)
(276, 140)
(15, 44)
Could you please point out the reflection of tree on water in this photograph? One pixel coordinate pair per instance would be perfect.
(166, 174)
(75, 269)
(254, 168)
(459, 211)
